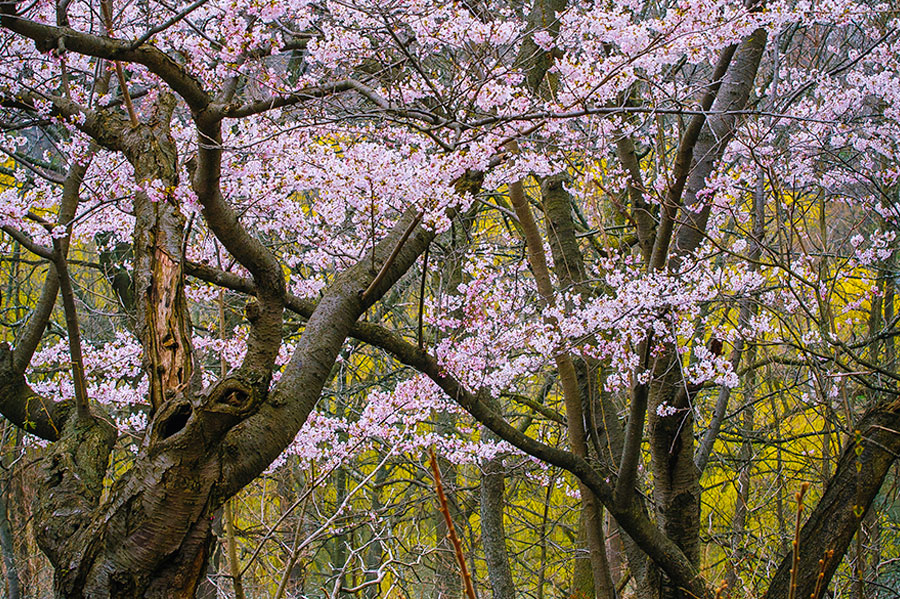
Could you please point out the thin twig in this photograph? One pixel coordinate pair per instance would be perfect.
(422, 299)
(396, 252)
(162, 27)
(451, 530)
(792, 591)
(120, 73)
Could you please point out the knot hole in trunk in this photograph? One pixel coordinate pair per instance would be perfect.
(176, 421)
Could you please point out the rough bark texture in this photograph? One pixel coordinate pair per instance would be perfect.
(163, 321)
(149, 536)
(7, 546)
(69, 480)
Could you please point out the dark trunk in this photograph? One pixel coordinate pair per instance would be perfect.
(493, 533)
(7, 548)
(865, 459)
(152, 536)
(615, 551)
(676, 480)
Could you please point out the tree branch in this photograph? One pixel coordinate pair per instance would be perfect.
(47, 37)
(166, 24)
(266, 321)
(633, 520)
(683, 160)
(30, 337)
(26, 409)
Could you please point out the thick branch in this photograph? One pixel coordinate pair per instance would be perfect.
(631, 517)
(105, 128)
(265, 334)
(255, 443)
(26, 409)
(47, 37)
(26, 242)
(683, 160)
(633, 520)
(715, 135)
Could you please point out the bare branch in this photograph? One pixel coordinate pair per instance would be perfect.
(47, 37)
(166, 24)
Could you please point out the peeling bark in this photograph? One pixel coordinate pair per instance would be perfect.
(163, 320)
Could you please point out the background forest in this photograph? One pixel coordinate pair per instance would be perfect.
(623, 273)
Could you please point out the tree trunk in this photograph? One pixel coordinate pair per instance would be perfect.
(582, 573)
(152, 537)
(493, 533)
(676, 480)
(149, 534)
(615, 551)
(739, 518)
(163, 320)
(568, 265)
(864, 463)
(6, 543)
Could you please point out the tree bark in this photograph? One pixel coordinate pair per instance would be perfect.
(571, 391)
(151, 536)
(493, 532)
(865, 459)
(7, 547)
(582, 572)
(676, 478)
(163, 320)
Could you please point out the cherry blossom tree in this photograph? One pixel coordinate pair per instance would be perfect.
(586, 226)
